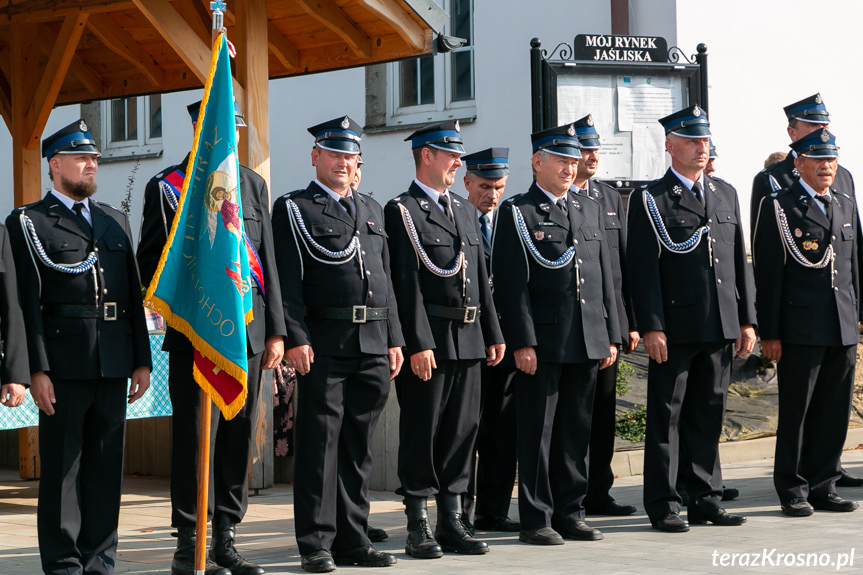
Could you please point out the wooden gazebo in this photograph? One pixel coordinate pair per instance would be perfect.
(56, 52)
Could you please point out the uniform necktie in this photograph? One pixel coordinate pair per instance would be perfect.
(77, 208)
(828, 205)
(485, 228)
(697, 191)
(561, 203)
(349, 207)
(443, 200)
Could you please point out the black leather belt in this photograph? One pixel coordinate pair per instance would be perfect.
(109, 311)
(356, 314)
(464, 314)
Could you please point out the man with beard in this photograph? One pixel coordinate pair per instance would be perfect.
(229, 477)
(694, 311)
(493, 476)
(86, 335)
(344, 339)
(598, 500)
(808, 280)
(450, 325)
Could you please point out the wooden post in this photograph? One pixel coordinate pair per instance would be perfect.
(203, 484)
(26, 74)
(253, 75)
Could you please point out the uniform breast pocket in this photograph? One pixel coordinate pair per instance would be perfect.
(612, 232)
(549, 234)
(69, 250)
(115, 262)
(592, 238)
(681, 226)
(727, 224)
(848, 242)
(376, 236)
(252, 224)
(329, 234)
(435, 239)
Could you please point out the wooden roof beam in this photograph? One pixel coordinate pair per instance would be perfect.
(196, 16)
(91, 80)
(395, 16)
(6, 101)
(328, 13)
(44, 10)
(183, 39)
(54, 74)
(117, 40)
(283, 48)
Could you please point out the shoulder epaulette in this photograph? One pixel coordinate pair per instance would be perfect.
(105, 205)
(26, 206)
(843, 194)
(290, 194)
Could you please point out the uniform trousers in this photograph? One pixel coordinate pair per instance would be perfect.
(338, 405)
(815, 387)
(489, 489)
(81, 449)
(602, 423)
(230, 446)
(437, 427)
(553, 418)
(685, 403)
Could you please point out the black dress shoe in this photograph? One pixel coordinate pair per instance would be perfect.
(541, 536)
(453, 537)
(377, 535)
(671, 523)
(833, 502)
(729, 493)
(612, 508)
(715, 516)
(846, 480)
(366, 556)
(318, 562)
(497, 523)
(223, 552)
(578, 530)
(797, 507)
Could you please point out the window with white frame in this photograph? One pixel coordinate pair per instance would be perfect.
(132, 127)
(436, 88)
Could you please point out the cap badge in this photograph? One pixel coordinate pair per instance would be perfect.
(457, 127)
(82, 126)
(570, 130)
(825, 137)
(589, 120)
(818, 99)
(346, 123)
(696, 111)
(798, 233)
(677, 189)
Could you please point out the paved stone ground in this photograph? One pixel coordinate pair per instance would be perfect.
(630, 545)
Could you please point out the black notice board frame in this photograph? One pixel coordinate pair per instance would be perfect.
(545, 68)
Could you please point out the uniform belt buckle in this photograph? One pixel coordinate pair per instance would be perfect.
(358, 314)
(109, 311)
(470, 314)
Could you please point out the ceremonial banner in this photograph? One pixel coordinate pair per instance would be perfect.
(202, 285)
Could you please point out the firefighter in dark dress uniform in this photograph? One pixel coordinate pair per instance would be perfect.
(694, 311)
(805, 251)
(598, 500)
(14, 365)
(450, 327)
(229, 477)
(492, 478)
(344, 340)
(86, 335)
(555, 290)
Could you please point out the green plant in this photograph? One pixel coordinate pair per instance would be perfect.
(632, 425)
(624, 376)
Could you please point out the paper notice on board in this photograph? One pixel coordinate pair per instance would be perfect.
(643, 100)
(648, 151)
(578, 96)
(615, 154)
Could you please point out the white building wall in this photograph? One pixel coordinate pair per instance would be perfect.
(764, 56)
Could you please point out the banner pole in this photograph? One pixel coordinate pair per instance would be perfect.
(203, 485)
